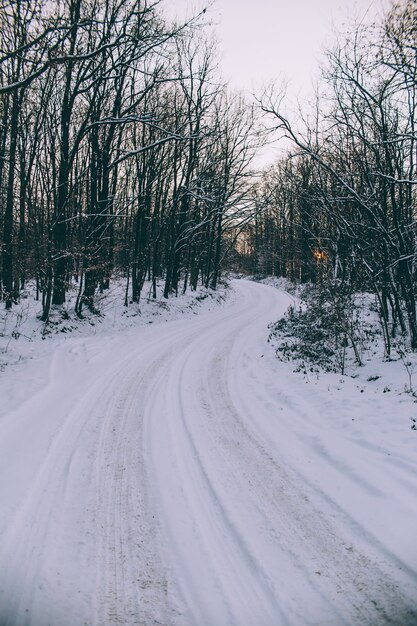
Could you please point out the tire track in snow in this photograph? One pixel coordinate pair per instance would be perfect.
(80, 548)
(249, 546)
(161, 501)
(217, 555)
(299, 423)
(127, 564)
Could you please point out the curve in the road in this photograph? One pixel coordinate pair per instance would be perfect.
(166, 496)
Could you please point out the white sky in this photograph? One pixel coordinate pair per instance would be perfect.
(282, 40)
(265, 39)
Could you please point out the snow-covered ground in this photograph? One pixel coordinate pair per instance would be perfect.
(177, 473)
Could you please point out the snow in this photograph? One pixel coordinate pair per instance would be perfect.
(178, 473)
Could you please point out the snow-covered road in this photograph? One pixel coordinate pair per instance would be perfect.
(180, 475)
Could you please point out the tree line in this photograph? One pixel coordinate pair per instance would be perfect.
(120, 149)
(340, 207)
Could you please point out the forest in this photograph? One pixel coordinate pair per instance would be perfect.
(208, 325)
(122, 152)
(119, 150)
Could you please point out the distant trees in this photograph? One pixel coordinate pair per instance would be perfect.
(343, 205)
(288, 232)
(119, 149)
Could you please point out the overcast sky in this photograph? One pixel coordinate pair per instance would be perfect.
(265, 39)
(283, 40)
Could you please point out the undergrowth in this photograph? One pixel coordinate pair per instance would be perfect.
(329, 330)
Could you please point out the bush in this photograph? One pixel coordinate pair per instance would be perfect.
(325, 333)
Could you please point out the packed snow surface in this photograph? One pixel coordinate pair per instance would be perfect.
(178, 474)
